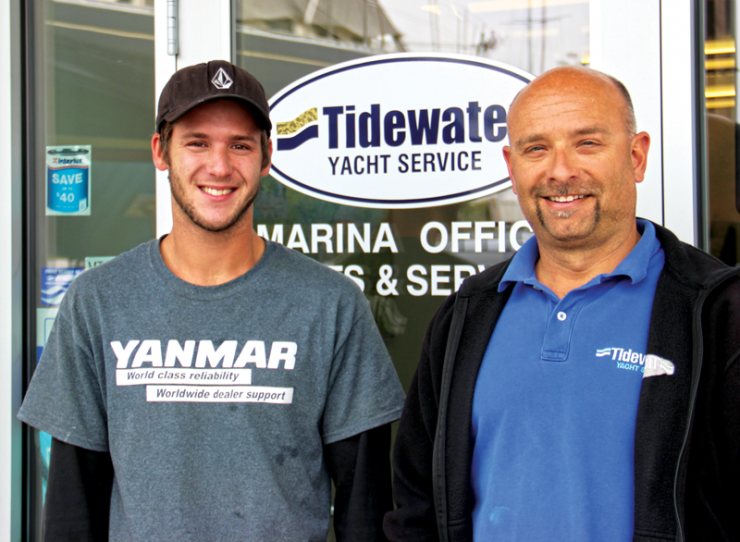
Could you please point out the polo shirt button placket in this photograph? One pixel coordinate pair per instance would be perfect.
(556, 343)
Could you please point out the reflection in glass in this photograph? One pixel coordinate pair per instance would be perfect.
(722, 130)
(357, 22)
(534, 35)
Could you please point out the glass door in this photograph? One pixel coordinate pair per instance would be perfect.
(91, 179)
(281, 41)
(721, 185)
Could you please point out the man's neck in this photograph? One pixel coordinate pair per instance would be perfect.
(564, 269)
(208, 258)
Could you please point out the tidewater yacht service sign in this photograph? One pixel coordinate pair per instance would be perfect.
(396, 131)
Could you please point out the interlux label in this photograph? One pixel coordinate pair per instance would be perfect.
(396, 131)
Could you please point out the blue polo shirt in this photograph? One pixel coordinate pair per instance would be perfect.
(555, 403)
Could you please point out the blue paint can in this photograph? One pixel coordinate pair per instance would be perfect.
(68, 180)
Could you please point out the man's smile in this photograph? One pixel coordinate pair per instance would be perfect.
(216, 191)
(564, 199)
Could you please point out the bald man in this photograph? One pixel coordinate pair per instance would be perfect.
(589, 388)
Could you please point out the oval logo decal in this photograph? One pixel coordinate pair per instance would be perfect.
(396, 131)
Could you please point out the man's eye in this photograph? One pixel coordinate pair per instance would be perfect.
(536, 148)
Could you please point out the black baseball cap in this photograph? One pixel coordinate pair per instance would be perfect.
(216, 80)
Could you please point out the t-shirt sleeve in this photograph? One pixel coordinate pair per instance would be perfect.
(66, 397)
(364, 390)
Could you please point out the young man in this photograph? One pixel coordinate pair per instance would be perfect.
(587, 389)
(207, 386)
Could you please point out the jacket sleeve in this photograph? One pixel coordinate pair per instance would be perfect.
(712, 496)
(729, 449)
(77, 507)
(361, 471)
(414, 519)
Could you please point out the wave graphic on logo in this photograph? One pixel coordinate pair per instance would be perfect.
(657, 366)
(603, 352)
(305, 122)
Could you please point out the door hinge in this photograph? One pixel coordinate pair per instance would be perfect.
(172, 35)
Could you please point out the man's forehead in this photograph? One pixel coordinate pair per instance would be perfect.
(220, 113)
(565, 101)
(560, 110)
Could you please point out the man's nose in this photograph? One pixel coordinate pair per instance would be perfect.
(219, 162)
(563, 165)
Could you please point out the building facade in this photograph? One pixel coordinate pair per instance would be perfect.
(78, 87)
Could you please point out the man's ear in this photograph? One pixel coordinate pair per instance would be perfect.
(507, 157)
(265, 170)
(639, 153)
(157, 154)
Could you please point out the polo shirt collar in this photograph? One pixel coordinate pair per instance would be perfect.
(634, 266)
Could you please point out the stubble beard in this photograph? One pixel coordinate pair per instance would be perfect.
(570, 235)
(190, 210)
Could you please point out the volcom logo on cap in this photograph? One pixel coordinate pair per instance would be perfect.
(221, 80)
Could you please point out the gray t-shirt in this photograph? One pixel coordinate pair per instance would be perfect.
(214, 402)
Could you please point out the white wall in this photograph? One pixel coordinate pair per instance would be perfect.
(680, 135)
(11, 321)
(635, 62)
(204, 34)
(656, 67)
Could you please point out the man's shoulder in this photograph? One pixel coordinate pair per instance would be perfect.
(123, 271)
(480, 288)
(293, 268)
(690, 265)
(485, 283)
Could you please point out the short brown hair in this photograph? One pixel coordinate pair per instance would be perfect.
(165, 138)
(629, 116)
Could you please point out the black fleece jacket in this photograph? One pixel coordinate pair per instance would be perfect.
(687, 436)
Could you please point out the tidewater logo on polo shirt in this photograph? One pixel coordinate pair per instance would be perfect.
(649, 365)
